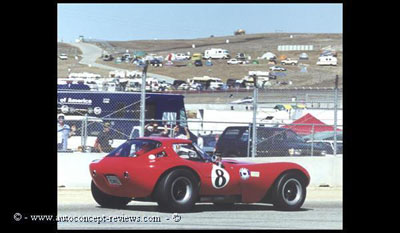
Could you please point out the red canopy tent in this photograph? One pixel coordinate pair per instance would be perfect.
(303, 125)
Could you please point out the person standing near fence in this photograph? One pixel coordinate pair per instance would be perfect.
(179, 134)
(62, 133)
(102, 143)
(153, 130)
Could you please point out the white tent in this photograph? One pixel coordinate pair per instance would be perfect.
(268, 56)
(303, 56)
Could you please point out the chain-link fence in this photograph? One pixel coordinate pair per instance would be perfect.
(227, 139)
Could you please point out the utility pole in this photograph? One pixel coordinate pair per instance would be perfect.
(255, 100)
(335, 116)
(143, 99)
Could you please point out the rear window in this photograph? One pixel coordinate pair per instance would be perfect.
(134, 148)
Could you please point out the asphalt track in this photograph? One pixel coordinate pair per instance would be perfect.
(320, 211)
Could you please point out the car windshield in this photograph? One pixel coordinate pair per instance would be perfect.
(203, 154)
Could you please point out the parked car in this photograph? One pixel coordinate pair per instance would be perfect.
(177, 83)
(326, 138)
(240, 56)
(156, 62)
(231, 83)
(177, 174)
(183, 86)
(196, 86)
(277, 68)
(63, 56)
(272, 141)
(289, 61)
(196, 56)
(234, 61)
(118, 60)
(182, 56)
(107, 57)
(198, 63)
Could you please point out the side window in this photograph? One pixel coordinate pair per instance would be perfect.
(245, 136)
(279, 135)
(187, 151)
(231, 133)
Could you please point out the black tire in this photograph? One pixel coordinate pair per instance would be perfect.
(289, 192)
(107, 200)
(177, 191)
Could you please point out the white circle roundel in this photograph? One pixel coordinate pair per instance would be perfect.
(97, 110)
(244, 173)
(219, 177)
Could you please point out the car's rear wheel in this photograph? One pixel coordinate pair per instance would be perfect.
(290, 192)
(177, 191)
(107, 200)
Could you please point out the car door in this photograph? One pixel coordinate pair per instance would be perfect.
(215, 179)
(218, 180)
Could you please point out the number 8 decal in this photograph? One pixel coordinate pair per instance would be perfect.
(219, 177)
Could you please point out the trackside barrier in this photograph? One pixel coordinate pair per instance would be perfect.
(73, 168)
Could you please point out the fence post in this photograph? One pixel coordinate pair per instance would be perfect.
(143, 100)
(312, 140)
(248, 142)
(85, 134)
(335, 116)
(255, 99)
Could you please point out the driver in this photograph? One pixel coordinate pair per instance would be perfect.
(145, 148)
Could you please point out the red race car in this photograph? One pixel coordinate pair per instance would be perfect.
(176, 174)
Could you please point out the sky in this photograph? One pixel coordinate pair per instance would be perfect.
(122, 22)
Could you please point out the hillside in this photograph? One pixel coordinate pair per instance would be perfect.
(253, 45)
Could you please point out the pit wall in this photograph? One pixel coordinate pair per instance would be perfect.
(73, 168)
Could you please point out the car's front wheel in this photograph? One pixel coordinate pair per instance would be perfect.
(107, 200)
(290, 192)
(177, 191)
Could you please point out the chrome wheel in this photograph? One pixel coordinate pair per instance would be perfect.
(292, 191)
(181, 189)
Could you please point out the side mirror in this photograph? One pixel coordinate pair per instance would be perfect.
(192, 154)
(216, 159)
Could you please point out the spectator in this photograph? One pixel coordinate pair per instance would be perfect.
(178, 132)
(73, 131)
(62, 133)
(102, 143)
(154, 130)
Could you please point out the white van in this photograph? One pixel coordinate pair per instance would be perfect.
(207, 82)
(217, 54)
(327, 61)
